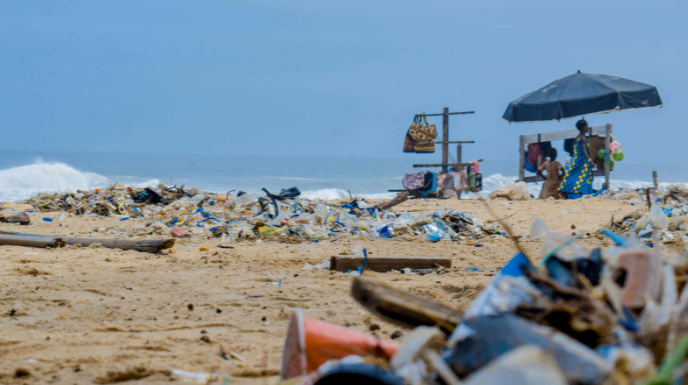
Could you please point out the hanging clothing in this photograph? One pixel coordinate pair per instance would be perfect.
(476, 166)
(471, 183)
(448, 181)
(535, 155)
(545, 147)
(430, 185)
(440, 181)
(568, 146)
(413, 181)
(595, 144)
(551, 186)
(461, 181)
(529, 166)
(478, 182)
(578, 176)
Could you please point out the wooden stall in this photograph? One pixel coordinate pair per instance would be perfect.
(525, 140)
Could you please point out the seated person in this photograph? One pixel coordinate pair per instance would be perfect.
(554, 173)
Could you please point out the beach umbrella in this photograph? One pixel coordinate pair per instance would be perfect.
(582, 94)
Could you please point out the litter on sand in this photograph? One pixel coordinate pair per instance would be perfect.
(614, 315)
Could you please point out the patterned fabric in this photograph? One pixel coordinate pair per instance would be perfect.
(420, 131)
(578, 176)
(461, 181)
(413, 181)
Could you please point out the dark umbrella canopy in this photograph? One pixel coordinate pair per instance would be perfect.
(582, 94)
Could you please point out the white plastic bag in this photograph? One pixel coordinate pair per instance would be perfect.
(513, 192)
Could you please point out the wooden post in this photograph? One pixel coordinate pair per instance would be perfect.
(445, 138)
(522, 158)
(606, 161)
(654, 180)
(458, 155)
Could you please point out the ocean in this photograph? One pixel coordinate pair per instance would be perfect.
(25, 173)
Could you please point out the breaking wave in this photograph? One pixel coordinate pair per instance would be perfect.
(22, 182)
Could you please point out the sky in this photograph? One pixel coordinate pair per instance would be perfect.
(325, 77)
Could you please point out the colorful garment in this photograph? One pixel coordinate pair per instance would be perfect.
(413, 181)
(578, 176)
(460, 181)
(476, 166)
(430, 185)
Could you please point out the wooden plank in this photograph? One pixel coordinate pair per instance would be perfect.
(565, 134)
(440, 164)
(402, 308)
(522, 158)
(451, 113)
(385, 263)
(530, 179)
(445, 139)
(449, 142)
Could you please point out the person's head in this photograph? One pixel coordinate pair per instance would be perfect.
(552, 154)
(582, 126)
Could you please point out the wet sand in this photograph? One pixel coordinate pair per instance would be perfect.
(75, 315)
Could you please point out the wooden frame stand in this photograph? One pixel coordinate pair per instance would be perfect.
(525, 140)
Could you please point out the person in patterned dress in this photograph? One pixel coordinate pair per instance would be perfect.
(578, 176)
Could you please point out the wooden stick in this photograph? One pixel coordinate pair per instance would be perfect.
(145, 245)
(654, 180)
(400, 198)
(382, 264)
(506, 227)
(402, 308)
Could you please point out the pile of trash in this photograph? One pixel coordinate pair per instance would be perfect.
(605, 316)
(666, 219)
(237, 215)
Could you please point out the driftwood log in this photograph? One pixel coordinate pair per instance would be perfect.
(31, 241)
(383, 263)
(402, 308)
(400, 198)
(37, 240)
(15, 217)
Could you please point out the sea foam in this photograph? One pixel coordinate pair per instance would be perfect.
(22, 182)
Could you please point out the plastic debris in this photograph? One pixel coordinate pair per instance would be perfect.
(236, 216)
(601, 316)
(194, 378)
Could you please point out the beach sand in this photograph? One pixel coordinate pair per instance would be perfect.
(110, 316)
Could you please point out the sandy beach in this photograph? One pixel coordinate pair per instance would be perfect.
(75, 315)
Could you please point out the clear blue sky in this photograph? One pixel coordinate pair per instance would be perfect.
(324, 77)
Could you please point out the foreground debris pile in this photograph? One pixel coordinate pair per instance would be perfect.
(667, 217)
(606, 316)
(284, 217)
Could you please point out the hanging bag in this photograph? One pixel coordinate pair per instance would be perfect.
(409, 143)
(416, 130)
(428, 133)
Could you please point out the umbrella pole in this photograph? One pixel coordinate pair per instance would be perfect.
(606, 158)
(445, 139)
(522, 158)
